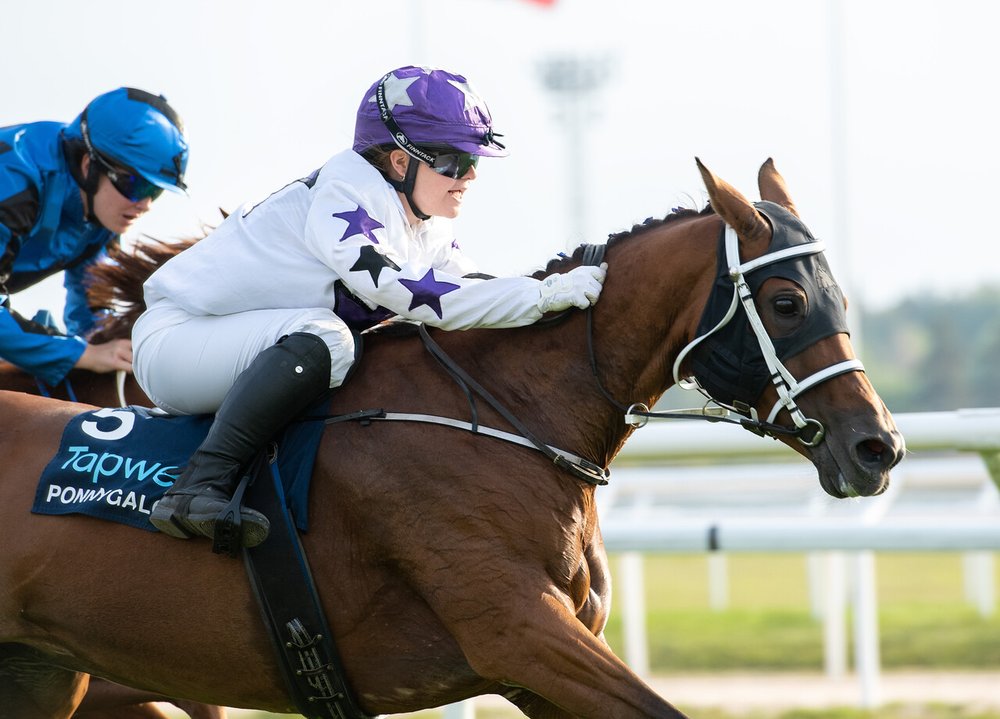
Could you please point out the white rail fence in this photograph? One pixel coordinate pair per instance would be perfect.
(688, 486)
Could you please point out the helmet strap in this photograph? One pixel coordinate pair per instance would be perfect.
(407, 185)
(89, 187)
(404, 144)
(93, 176)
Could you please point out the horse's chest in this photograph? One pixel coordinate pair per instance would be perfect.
(590, 590)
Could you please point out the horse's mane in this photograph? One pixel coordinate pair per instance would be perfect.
(115, 284)
(678, 213)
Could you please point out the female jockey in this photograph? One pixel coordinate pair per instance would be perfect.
(255, 321)
(66, 193)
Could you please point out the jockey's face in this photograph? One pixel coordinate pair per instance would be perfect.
(438, 195)
(112, 209)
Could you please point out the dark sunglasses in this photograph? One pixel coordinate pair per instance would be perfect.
(454, 164)
(131, 185)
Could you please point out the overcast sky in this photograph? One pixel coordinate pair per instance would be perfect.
(891, 154)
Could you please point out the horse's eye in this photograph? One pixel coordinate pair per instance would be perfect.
(786, 306)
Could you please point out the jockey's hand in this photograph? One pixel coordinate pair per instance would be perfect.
(580, 287)
(107, 357)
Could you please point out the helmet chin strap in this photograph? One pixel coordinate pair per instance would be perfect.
(406, 186)
(93, 176)
(90, 182)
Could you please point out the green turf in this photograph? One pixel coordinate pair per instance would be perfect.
(924, 619)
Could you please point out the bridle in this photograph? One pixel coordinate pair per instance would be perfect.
(810, 432)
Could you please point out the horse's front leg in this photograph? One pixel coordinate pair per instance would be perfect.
(107, 700)
(31, 688)
(534, 706)
(540, 645)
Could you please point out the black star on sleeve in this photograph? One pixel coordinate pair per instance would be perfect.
(373, 262)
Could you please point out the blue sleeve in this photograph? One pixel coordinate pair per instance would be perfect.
(77, 317)
(48, 358)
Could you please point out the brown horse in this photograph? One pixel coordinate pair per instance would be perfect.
(114, 285)
(449, 564)
(96, 388)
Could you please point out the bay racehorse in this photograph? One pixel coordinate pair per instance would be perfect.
(451, 563)
(115, 285)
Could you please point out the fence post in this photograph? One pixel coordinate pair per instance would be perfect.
(834, 589)
(718, 581)
(634, 613)
(866, 639)
(978, 570)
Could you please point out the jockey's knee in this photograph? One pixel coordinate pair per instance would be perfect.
(340, 341)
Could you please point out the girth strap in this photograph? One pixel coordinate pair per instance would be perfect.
(287, 596)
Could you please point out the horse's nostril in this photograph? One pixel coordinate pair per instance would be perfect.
(873, 451)
(878, 453)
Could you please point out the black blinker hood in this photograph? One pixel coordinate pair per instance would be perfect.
(729, 364)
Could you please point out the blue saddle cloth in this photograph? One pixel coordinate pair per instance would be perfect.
(116, 464)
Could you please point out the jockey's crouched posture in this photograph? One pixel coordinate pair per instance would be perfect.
(254, 322)
(67, 191)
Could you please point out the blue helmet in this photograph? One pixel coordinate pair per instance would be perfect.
(136, 130)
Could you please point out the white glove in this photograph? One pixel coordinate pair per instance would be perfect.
(579, 287)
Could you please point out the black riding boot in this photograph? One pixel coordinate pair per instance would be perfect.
(278, 385)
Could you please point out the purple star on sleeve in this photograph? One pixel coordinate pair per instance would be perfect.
(359, 223)
(428, 291)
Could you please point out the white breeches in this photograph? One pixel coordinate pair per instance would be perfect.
(186, 363)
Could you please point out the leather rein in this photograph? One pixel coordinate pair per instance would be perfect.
(810, 432)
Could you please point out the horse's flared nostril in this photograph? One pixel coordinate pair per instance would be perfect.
(878, 453)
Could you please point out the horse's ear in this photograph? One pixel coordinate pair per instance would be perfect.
(773, 188)
(734, 208)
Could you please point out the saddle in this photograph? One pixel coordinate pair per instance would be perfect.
(116, 463)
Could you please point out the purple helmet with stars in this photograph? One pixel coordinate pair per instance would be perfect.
(422, 107)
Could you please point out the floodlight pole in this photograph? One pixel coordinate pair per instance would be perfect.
(573, 82)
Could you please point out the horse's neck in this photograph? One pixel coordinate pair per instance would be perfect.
(81, 385)
(102, 389)
(17, 380)
(648, 310)
(544, 375)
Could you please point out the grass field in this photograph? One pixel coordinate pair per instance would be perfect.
(924, 619)
(924, 622)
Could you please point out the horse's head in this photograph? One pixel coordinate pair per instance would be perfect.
(772, 343)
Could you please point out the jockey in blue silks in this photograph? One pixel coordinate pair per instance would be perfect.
(66, 193)
(255, 322)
